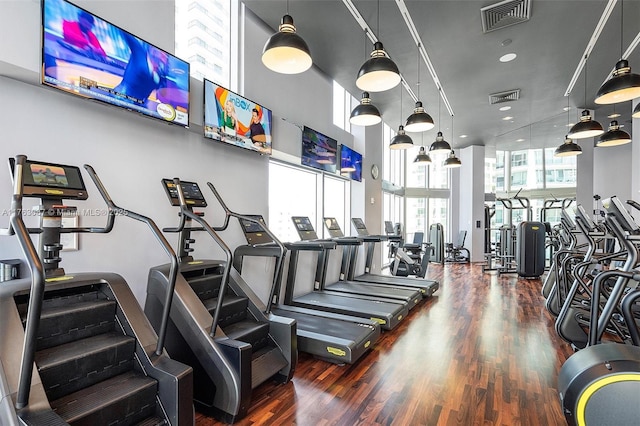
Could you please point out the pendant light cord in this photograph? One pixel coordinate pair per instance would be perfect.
(621, 26)
(380, 35)
(439, 99)
(287, 7)
(418, 78)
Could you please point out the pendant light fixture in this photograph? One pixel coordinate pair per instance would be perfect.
(569, 148)
(636, 111)
(614, 136)
(286, 52)
(419, 121)
(623, 85)
(365, 114)
(586, 127)
(440, 145)
(422, 157)
(401, 140)
(379, 72)
(452, 161)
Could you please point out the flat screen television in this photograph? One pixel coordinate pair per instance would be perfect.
(350, 163)
(87, 56)
(318, 151)
(231, 118)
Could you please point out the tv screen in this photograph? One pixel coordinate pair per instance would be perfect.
(87, 56)
(230, 118)
(318, 151)
(350, 163)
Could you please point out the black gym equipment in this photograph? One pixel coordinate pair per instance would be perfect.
(425, 286)
(457, 253)
(77, 349)
(217, 323)
(332, 337)
(387, 312)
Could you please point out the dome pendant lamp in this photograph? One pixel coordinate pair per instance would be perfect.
(452, 161)
(586, 127)
(623, 85)
(422, 157)
(401, 140)
(568, 149)
(365, 114)
(286, 52)
(636, 111)
(440, 145)
(379, 72)
(614, 136)
(419, 121)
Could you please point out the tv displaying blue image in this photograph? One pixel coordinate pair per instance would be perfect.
(87, 56)
(318, 151)
(350, 163)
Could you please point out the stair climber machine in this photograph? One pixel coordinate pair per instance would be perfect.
(335, 338)
(425, 286)
(599, 385)
(77, 349)
(217, 323)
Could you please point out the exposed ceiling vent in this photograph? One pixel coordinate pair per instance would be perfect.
(504, 14)
(507, 96)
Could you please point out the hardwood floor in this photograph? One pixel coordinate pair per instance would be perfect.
(482, 351)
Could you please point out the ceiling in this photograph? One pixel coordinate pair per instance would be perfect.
(549, 47)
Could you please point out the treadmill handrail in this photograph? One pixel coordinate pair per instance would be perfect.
(173, 272)
(37, 286)
(229, 213)
(187, 212)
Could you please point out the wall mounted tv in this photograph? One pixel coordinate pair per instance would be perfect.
(318, 151)
(230, 118)
(87, 56)
(350, 163)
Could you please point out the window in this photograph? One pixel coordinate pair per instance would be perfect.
(336, 204)
(343, 103)
(560, 172)
(518, 158)
(203, 32)
(393, 159)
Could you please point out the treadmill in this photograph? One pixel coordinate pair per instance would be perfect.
(350, 245)
(332, 337)
(426, 287)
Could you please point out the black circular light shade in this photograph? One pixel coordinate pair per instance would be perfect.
(365, 114)
(452, 161)
(440, 145)
(379, 72)
(622, 86)
(419, 121)
(568, 149)
(401, 140)
(286, 52)
(422, 157)
(585, 128)
(636, 111)
(614, 136)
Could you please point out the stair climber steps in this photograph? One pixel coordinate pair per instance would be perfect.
(72, 366)
(234, 308)
(153, 421)
(66, 323)
(265, 363)
(249, 331)
(126, 399)
(206, 286)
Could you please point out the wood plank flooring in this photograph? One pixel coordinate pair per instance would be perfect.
(482, 351)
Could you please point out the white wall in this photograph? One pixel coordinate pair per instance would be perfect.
(471, 205)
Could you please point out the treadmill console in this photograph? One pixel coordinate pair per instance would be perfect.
(361, 229)
(615, 207)
(304, 227)
(582, 214)
(51, 181)
(388, 227)
(192, 194)
(253, 232)
(333, 227)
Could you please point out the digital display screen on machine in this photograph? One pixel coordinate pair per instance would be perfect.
(191, 191)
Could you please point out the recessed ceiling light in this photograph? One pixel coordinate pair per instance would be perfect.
(508, 57)
(566, 108)
(614, 115)
(504, 108)
(507, 118)
(463, 136)
(520, 140)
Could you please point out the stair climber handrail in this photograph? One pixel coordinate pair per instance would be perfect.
(229, 213)
(186, 212)
(173, 273)
(37, 286)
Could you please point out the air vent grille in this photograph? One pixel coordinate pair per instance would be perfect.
(507, 96)
(504, 14)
